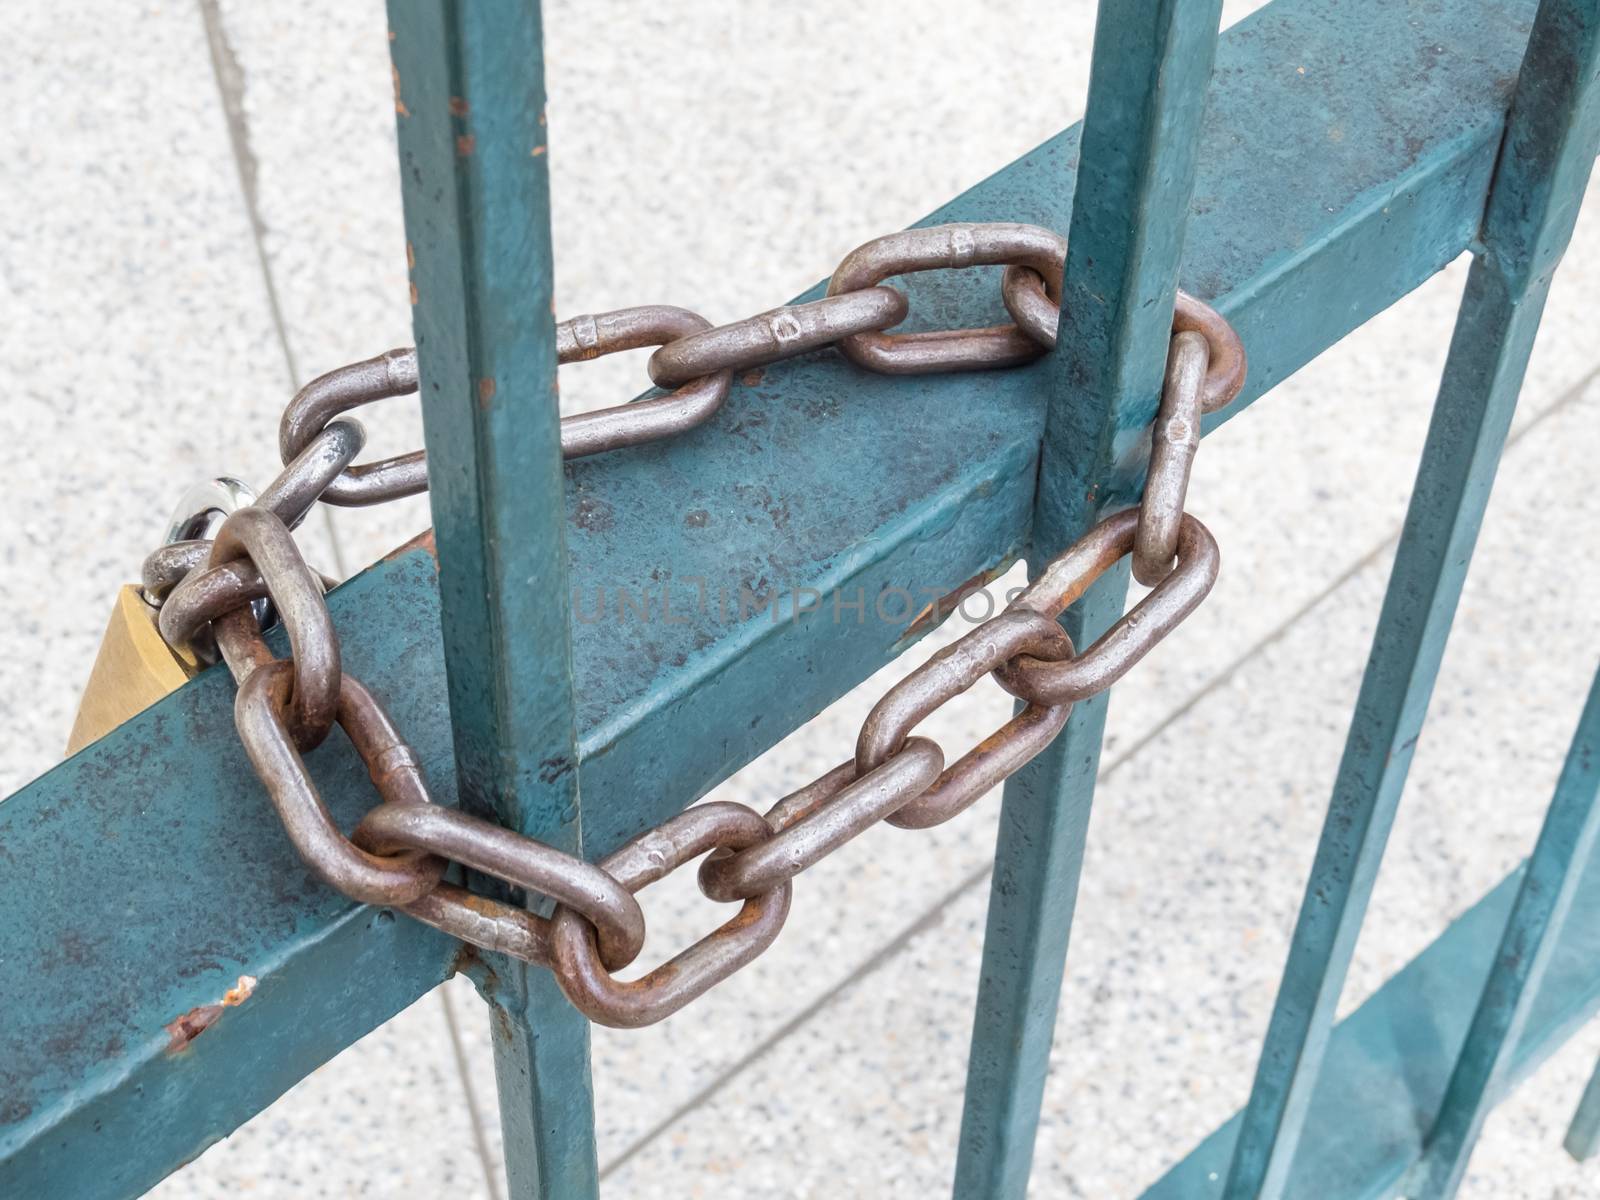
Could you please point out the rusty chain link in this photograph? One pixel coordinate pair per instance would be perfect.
(1175, 440)
(1028, 248)
(398, 854)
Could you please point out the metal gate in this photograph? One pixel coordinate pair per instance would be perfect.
(1202, 163)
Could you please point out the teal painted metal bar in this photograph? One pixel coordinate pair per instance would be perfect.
(469, 99)
(1583, 1135)
(1543, 902)
(1533, 201)
(1390, 1061)
(1136, 169)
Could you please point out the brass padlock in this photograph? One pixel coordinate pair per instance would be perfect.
(133, 670)
(135, 667)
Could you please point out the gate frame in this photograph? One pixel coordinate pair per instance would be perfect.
(111, 1111)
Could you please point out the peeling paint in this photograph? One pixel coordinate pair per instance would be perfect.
(192, 1024)
(423, 541)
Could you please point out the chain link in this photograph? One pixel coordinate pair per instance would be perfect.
(694, 402)
(255, 542)
(399, 852)
(1037, 314)
(781, 333)
(523, 862)
(262, 714)
(1174, 442)
(390, 374)
(814, 822)
(1026, 247)
(1136, 633)
(939, 680)
(574, 950)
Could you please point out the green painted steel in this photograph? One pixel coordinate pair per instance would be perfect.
(1447, 1037)
(816, 476)
(1583, 1136)
(1544, 900)
(1389, 1062)
(198, 887)
(469, 104)
(1136, 169)
(1544, 166)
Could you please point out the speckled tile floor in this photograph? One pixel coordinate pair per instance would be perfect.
(203, 212)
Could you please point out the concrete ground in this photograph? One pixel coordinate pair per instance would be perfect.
(202, 212)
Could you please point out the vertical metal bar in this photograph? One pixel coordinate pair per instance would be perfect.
(469, 98)
(1548, 150)
(1583, 1135)
(1152, 62)
(1543, 901)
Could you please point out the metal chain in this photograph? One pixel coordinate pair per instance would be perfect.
(398, 854)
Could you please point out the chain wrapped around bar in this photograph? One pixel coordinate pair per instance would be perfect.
(810, 824)
(577, 340)
(653, 855)
(1041, 252)
(1174, 441)
(225, 585)
(1070, 574)
(400, 851)
(698, 360)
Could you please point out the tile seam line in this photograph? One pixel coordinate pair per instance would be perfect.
(935, 912)
(229, 78)
(474, 1113)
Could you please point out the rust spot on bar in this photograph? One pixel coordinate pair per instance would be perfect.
(505, 1029)
(485, 392)
(933, 615)
(413, 295)
(465, 144)
(537, 151)
(423, 541)
(196, 1021)
(741, 920)
(399, 104)
(481, 905)
(411, 256)
(469, 961)
(459, 107)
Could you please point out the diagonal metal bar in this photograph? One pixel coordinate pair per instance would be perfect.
(1136, 170)
(469, 103)
(1545, 161)
(1532, 931)
(1583, 1135)
(1390, 1061)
